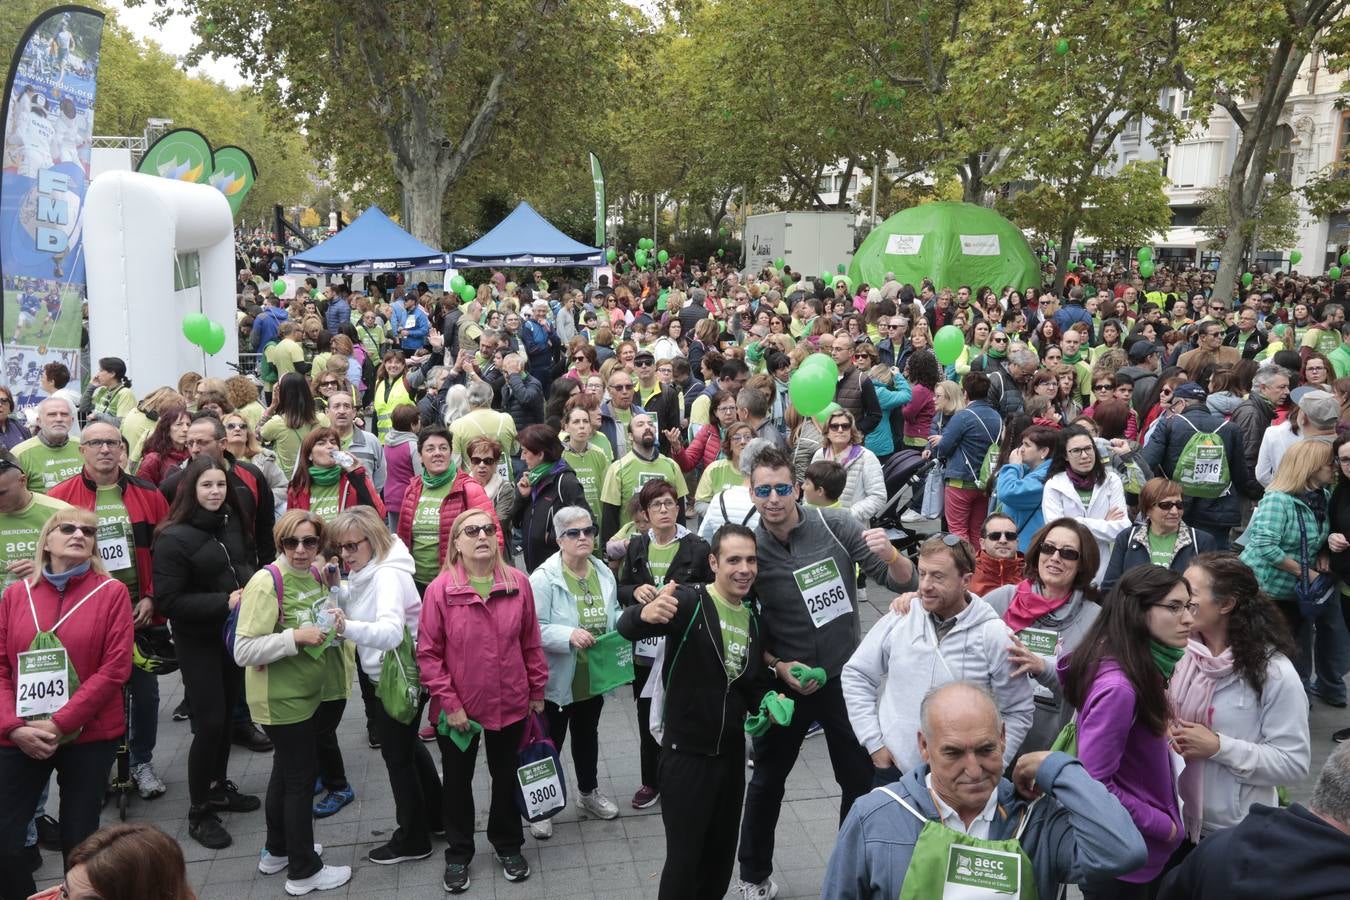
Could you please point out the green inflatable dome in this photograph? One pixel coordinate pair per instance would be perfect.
(952, 244)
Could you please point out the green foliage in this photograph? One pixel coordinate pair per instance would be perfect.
(1328, 192)
(1273, 223)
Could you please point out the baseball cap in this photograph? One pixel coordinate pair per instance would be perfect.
(1142, 350)
(1321, 408)
(644, 354)
(1189, 391)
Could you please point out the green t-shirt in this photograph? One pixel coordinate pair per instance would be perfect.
(1161, 548)
(720, 475)
(589, 467)
(1085, 497)
(592, 617)
(735, 622)
(284, 354)
(1321, 340)
(285, 441)
(323, 500)
(426, 533)
(48, 466)
(626, 476)
(19, 533)
(116, 544)
(290, 689)
(659, 558)
(482, 585)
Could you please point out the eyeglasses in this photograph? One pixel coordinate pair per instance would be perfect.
(475, 530)
(764, 490)
(1104, 386)
(742, 437)
(576, 534)
(236, 426)
(1081, 451)
(662, 504)
(1177, 609)
(102, 443)
(1168, 505)
(1068, 554)
(331, 384)
(69, 528)
(620, 387)
(350, 546)
(482, 460)
(841, 426)
(1001, 536)
(309, 542)
(579, 357)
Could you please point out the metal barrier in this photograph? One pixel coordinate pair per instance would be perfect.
(248, 363)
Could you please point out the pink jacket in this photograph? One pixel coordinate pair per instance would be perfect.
(484, 657)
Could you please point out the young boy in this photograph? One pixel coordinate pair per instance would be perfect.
(823, 483)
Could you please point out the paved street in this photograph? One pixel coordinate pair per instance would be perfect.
(585, 857)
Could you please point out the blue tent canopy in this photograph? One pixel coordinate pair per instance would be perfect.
(525, 238)
(374, 243)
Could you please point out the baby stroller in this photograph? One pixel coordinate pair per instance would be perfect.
(904, 473)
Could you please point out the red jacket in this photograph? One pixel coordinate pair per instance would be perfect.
(991, 573)
(703, 449)
(354, 489)
(98, 638)
(482, 656)
(464, 493)
(146, 507)
(154, 466)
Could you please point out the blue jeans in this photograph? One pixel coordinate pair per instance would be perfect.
(144, 724)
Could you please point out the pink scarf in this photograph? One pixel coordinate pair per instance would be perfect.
(1027, 606)
(1191, 691)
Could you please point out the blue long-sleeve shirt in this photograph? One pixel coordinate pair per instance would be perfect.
(966, 439)
(1019, 489)
(417, 324)
(881, 440)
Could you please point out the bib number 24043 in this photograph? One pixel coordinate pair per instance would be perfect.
(823, 592)
(43, 683)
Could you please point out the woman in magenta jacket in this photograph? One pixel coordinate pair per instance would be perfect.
(49, 719)
(481, 658)
(1117, 680)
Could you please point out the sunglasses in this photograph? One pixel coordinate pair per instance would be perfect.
(1168, 505)
(1001, 536)
(482, 460)
(841, 426)
(620, 387)
(1068, 554)
(69, 528)
(576, 534)
(1104, 386)
(579, 357)
(309, 543)
(475, 530)
(764, 490)
(236, 426)
(350, 546)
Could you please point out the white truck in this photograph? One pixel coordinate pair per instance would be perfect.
(808, 242)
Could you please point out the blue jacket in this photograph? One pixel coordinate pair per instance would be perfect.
(1077, 832)
(881, 440)
(966, 439)
(339, 313)
(1019, 492)
(1072, 313)
(265, 326)
(539, 344)
(417, 324)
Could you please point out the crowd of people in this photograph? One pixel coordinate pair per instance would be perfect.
(1098, 671)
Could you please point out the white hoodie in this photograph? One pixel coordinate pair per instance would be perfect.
(379, 601)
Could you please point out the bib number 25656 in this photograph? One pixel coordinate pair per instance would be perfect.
(823, 592)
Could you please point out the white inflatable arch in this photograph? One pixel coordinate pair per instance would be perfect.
(155, 250)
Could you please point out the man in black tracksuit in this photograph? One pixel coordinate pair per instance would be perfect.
(713, 675)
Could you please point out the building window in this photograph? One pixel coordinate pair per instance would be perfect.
(1132, 129)
(824, 184)
(1345, 138)
(1284, 160)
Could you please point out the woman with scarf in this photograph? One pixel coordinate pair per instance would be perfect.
(865, 490)
(1081, 487)
(1049, 612)
(326, 486)
(1288, 533)
(548, 485)
(1160, 538)
(1117, 681)
(1240, 716)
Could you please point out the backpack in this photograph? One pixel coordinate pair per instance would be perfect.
(227, 631)
(1202, 468)
(267, 371)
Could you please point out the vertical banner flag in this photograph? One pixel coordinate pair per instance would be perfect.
(186, 155)
(48, 111)
(598, 176)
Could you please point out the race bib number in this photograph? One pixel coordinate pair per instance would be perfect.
(541, 787)
(647, 648)
(1044, 643)
(504, 469)
(113, 548)
(1208, 467)
(43, 685)
(978, 873)
(823, 592)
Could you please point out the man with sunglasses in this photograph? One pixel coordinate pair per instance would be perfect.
(663, 402)
(128, 510)
(807, 598)
(998, 562)
(894, 343)
(1209, 350)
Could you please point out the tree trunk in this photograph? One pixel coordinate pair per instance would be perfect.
(1062, 252)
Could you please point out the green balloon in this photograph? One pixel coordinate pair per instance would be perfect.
(457, 282)
(279, 288)
(1334, 272)
(948, 343)
(1247, 279)
(1089, 265)
(1044, 258)
(195, 328)
(215, 338)
(1146, 269)
(467, 293)
(662, 257)
(811, 388)
(1062, 46)
(841, 268)
(611, 254)
(1144, 254)
(1345, 259)
(1294, 257)
(1080, 246)
(722, 232)
(640, 257)
(778, 263)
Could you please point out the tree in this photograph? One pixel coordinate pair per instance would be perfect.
(1244, 57)
(1272, 224)
(1123, 210)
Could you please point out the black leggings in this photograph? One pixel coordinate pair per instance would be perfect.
(412, 775)
(649, 751)
(290, 790)
(215, 683)
(583, 719)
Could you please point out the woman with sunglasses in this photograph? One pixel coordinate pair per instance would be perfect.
(1161, 399)
(74, 731)
(166, 447)
(241, 442)
(548, 485)
(583, 359)
(865, 490)
(328, 481)
(723, 472)
(379, 604)
(1080, 486)
(995, 355)
(479, 652)
(482, 457)
(1048, 613)
(297, 681)
(1160, 538)
(202, 556)
(577, 601)
(1117, 681)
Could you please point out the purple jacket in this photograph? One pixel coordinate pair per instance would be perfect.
(1132, 762)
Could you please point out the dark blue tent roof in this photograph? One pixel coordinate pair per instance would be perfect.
(525, 238)
(374, 243)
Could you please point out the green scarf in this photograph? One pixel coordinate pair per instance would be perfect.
(1165, 657)
(325, 476)
(539, 472)
(1075, 359)
(992, 353)
(436, 481)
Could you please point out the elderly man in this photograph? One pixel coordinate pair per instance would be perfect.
(50, 457)
(1316, 414)
(1052, 824)
(1005, 387)
(617, 413)
(1245, 336)
(410, 322)
(363, 445)
(482, 419)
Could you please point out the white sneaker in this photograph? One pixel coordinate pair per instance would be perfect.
(598, 805)
(913, 517)
(542, 830)
(325, 879)
(148, 784)
(271, 865)
(765, 890)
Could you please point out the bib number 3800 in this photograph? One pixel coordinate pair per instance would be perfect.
(823, 592)
(541, 787)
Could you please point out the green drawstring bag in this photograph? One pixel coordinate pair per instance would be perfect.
(610, 662)
(400, 687)
(47, 640)
(1067, 739)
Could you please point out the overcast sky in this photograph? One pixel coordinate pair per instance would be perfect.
(175, 37)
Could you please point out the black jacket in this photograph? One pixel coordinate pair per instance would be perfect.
(1131, 549)
(704, 711)
(198, 564)
(1255, 344)
(1338, 512)
(689, 565)
(1163, 450)
(534, 514)
(523, 400)
(255, 499)
(665, 406)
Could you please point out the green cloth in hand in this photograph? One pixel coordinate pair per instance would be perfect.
(461, 739)
(757, 724)
(807, 674)
(778, 708)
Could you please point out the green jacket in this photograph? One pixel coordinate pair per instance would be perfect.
(1274, 534)
(1340, 360)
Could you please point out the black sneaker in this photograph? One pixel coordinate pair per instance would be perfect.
(246, 734)
(48, 833)
(228, 799)
(205, 829)
(514, 867)
(34, 857)
(182, 712)
(456, 879)
(389, 855)
(371, 739)
(1341, 736)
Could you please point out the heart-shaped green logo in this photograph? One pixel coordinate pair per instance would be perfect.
(186, 155)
